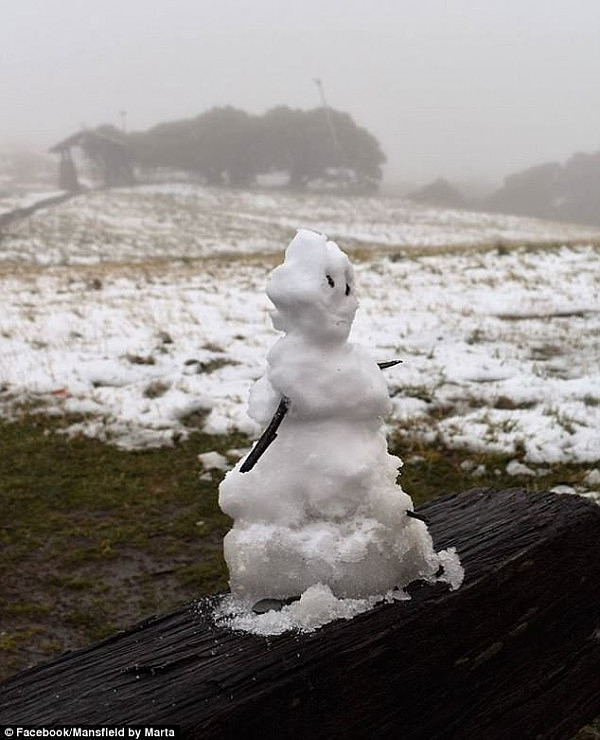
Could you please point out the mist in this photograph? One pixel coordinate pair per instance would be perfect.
(464, 90)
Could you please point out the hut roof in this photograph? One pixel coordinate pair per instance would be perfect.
(84, 137)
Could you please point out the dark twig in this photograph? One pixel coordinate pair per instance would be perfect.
(389, 363)
(414, 515)
(267, 436)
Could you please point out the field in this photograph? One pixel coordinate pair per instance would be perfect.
(134, 323)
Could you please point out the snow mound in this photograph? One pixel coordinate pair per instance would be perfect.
(318, 605)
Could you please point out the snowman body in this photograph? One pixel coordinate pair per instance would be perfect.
(322, 504)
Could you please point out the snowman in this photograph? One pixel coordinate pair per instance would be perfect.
(320, 504)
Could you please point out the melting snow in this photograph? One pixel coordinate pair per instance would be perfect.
(501, 349)
(319, 606)
(213, 461)
(186, 220)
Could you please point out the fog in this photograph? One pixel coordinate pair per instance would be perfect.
(461, 89)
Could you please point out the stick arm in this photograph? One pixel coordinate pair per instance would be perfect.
(267, 436)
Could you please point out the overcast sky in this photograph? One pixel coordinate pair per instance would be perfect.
(455, 88)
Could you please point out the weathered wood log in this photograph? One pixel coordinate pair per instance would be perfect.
(513, 654)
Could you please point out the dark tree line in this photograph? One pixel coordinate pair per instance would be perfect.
(568, 192)
(227, 146)
(561, 192)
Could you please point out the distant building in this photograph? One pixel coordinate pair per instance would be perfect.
(110, 155)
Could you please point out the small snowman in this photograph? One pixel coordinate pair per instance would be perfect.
(321, 504)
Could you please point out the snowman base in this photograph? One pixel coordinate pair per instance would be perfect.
(355, 559)
(318, 605)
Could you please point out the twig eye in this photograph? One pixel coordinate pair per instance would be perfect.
(347, 289)
(330, 281)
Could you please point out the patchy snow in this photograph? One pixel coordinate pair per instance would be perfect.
(214, 461)
(564, 489)
(501, 348)
(11, 200)
(127, 349)
(592, 478)
(186, 220)
(514, 467)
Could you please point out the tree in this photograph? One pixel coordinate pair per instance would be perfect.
(360, 152)
(224, 142)
(164, 145)
(219, 144)
(580, 189)
(531, 192)
(228, 146)
(320, 144)
(569, 192)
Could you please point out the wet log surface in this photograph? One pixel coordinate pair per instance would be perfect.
(514, 653)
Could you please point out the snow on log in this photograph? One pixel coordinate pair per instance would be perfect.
(514, 653)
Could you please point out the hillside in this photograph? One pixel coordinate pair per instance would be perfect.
(177, 220)
(142, 316)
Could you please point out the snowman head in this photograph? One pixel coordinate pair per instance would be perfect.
(313, 290)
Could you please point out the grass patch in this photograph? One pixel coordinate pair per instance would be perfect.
(156, 389)
(103, 535)
(508, 404)
(591, 401)
(431, 471)
(210, 365)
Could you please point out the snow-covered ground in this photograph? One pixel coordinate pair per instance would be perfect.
(107, 320)
(11, 200)
(184, 220)
(501, 347)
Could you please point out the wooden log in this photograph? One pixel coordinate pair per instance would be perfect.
(514, 653)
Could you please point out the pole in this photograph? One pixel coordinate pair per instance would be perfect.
(336, 143)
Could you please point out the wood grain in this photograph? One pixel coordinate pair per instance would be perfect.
(514, 653)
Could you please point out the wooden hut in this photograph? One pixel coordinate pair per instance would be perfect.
(110, 155)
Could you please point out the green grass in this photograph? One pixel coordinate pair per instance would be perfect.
(93, 538)
(431, 471)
